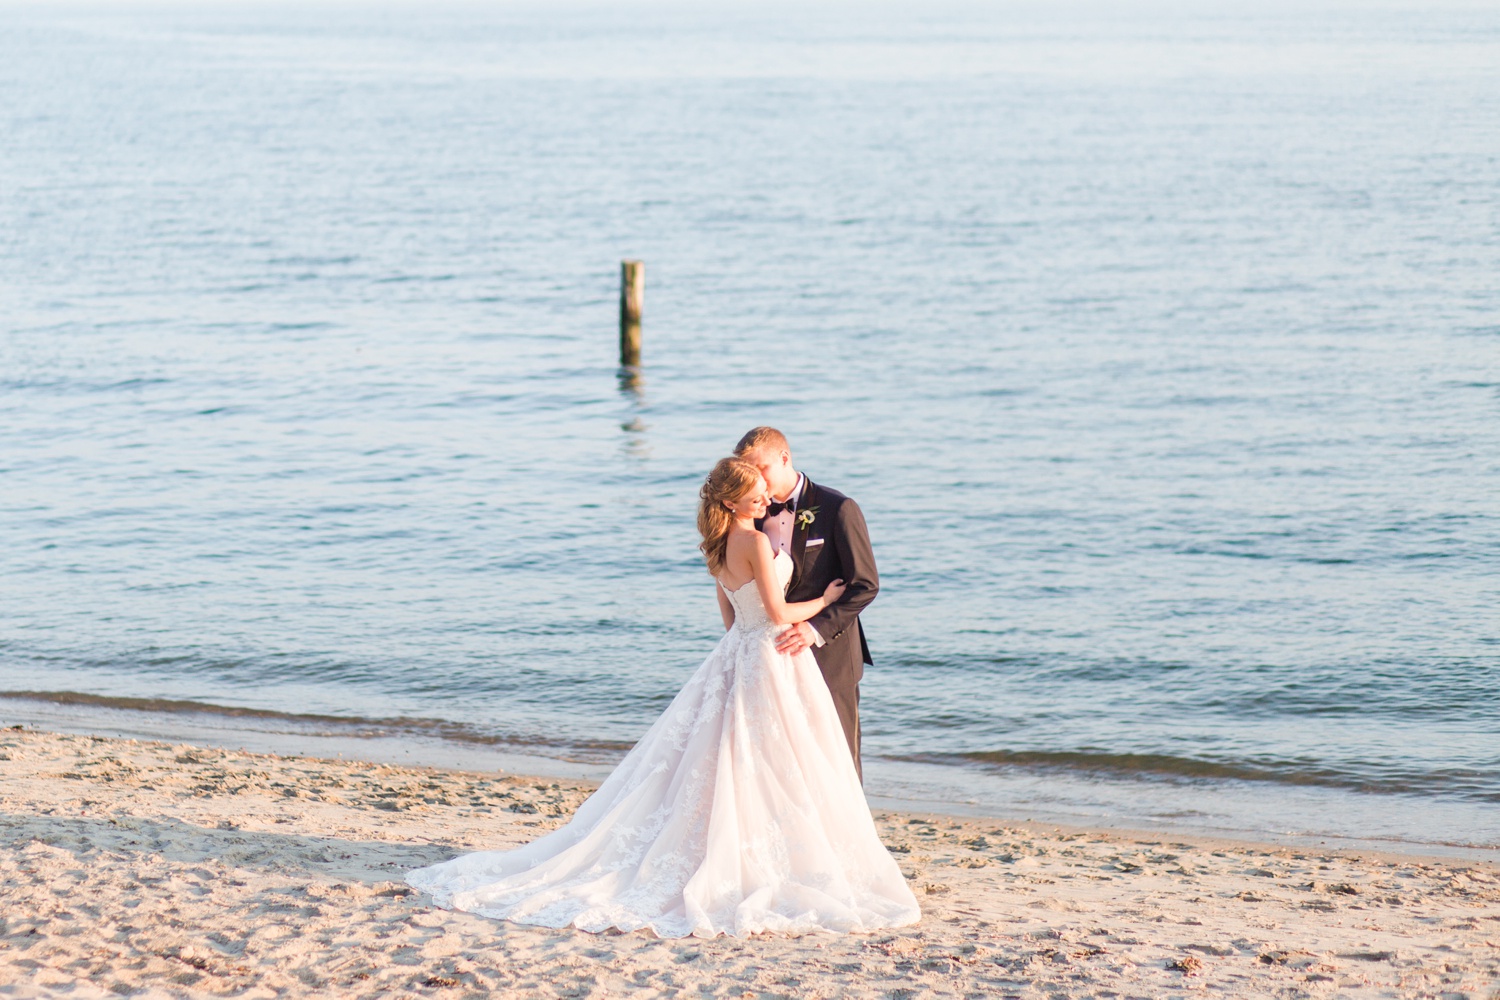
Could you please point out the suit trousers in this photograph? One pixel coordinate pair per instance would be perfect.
(842, 665)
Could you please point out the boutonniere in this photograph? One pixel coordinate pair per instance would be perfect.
(806, 517)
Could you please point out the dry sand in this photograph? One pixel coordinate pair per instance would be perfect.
(145, 869)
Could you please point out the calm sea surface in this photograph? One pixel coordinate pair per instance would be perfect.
(1161, 346)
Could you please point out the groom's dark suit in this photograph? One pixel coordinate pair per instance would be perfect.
(835, 546)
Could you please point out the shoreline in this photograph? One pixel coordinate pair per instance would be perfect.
(903, 786)
(168, 870)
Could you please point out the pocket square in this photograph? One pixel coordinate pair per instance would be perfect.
(812, 542)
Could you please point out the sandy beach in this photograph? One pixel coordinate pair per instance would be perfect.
(146, 869)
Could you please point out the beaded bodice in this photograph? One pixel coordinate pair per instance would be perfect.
(749, 612)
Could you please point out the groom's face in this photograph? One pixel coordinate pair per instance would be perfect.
(775, 465)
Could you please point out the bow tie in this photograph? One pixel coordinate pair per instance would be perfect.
(777, 506)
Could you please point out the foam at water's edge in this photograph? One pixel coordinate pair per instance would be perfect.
(310, 724)
(285, 736)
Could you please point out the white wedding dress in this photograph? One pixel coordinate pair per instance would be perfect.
(739, 811)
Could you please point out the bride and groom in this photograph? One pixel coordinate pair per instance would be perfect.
(740, 810)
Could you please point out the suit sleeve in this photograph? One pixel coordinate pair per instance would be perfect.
(851, 539)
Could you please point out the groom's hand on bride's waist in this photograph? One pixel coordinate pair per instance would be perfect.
(796, 638)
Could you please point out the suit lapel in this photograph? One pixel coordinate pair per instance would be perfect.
(808, 501)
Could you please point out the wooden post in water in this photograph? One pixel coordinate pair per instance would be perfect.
(632, 297)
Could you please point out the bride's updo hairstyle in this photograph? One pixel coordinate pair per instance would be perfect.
(731, 479)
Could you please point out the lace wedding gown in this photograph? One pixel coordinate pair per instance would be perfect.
(739, 811)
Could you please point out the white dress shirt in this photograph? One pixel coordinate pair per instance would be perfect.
(779, 530)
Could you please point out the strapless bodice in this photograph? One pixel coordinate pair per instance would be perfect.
(749, 611)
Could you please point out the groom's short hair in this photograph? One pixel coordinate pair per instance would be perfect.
(762, 437)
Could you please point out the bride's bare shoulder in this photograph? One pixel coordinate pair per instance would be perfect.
(747, 540)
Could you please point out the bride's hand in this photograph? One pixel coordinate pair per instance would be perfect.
(834, 591)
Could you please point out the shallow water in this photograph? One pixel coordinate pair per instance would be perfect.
(1161, 348)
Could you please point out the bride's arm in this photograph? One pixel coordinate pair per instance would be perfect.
(762, 563)
(726, 609)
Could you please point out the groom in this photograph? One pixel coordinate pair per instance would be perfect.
(825, 534)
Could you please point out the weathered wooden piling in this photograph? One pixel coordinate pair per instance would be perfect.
(632, 296)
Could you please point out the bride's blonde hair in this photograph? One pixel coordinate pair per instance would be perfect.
(730, 479)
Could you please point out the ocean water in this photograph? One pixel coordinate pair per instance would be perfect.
(1159, 343)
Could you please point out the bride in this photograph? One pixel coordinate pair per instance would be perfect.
(738, 812)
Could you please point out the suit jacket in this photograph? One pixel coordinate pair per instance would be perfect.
(836, 545)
